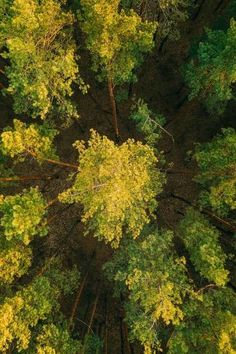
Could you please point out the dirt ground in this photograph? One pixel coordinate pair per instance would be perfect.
(160, 83)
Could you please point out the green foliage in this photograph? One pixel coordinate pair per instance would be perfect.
(168, 13)
(92, 344)
(23, 215)
(53, 339)
(20, 313)
(33, 139)
(212, 73)
(156, 280)
(202, 242)
(4, 170)
(217, 172)
(66, 280)
(38, 37)
(209, 325)
(115, 39)
(15, 260)
(147, 123)
(116, 185)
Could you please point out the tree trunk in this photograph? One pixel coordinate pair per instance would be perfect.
(142, 9)
(93, 312)
(77, 299)
(195, 16)
(113, 107)
(164, 40)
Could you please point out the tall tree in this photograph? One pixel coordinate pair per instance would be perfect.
(217, 172)
(202, 242)
(167, 13)
(212, 73)
(209, 325)
(156, 282)
(116, 40)
(37, 36)
(117, 186)
(26, 309)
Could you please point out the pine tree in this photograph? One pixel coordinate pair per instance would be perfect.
(217, 172)
(202, 242)
(212, 73)
(116, 40)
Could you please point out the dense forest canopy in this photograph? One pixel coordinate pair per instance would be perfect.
(117, 176)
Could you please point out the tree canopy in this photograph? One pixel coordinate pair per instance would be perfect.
(38, 39)
(144, 213)
(116, 185)
(212, 73)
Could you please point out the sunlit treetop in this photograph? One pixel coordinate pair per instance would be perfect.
(217, 171)
(33, 139)
(202, 242)
(156, 281)
(209, 325)
(23, 215)
(115, 39)
(53, 339)
(212, 74)
(117, 186)
(22, 314)
(41, 52)
(15, 260)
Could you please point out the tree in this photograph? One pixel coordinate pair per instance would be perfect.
(212, 73)
(15, 260)
(209, 325)
(34, 140)
(116, 41)
(148, 123)
(116, 185)
(43, 65)
(20, 313)
(156, 281)
(28, 206)
(202, 242)
(55, 339)
(167, 13)
(217, 172)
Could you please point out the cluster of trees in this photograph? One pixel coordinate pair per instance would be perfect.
(176, 284)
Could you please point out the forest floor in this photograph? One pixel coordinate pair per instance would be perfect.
(160, 84)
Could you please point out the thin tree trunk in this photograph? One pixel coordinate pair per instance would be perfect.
(106, 329)
(122, 344)
(77, 299)
(79, 292)
(164, 40)
(228, 224)
(90, 323)
(93, 312)
(195, 16)
(113, 106)
(55, 162)
(25, 178)
(129, 350)
(219, 5)
(142, 8)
